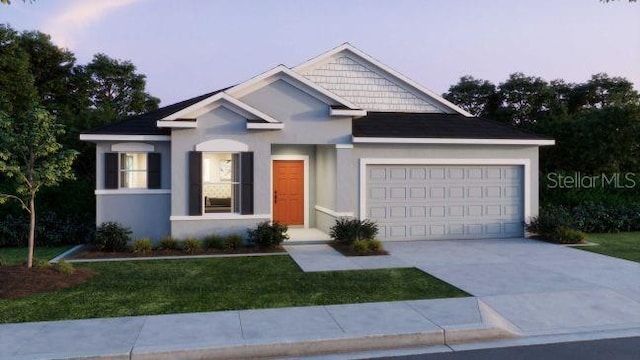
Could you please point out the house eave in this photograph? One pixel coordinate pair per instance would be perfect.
(177, 124)
(265, 126)
(347, 112)
(453, 141)
(123, 137)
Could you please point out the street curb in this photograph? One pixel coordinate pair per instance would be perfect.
(293, 348)
(176, 257)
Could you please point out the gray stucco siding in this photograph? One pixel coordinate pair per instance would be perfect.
(146, 214)
(182, 229)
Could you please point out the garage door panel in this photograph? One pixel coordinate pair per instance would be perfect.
(445, 202)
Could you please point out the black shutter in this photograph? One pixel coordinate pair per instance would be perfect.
(246, 183)
(153, 171)
(195, 183)
(111, 170)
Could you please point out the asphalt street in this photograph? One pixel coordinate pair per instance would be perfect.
(610, 349)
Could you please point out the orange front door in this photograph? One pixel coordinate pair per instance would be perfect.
(288, 192)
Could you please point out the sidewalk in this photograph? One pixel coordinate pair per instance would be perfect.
(257, 333)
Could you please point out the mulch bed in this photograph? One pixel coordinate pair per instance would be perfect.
(18, 280)
(345, 250)
(93, 253)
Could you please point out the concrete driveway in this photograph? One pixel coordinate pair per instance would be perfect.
(540, 288)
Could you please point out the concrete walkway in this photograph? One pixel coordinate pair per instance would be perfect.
(256, 333)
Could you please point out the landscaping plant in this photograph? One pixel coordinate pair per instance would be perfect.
(348, 230)
(191, 246)
(142, 246)
(232, 242)
(169, 243)
(112, 236)
(267, 235)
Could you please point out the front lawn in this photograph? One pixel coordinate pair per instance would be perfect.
(178, 286)
(18, 255)
(624, 245)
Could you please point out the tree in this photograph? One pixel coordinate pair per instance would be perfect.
(525, 97)
(116, 89)
(31, 155)
(476, 96)
(602, 91)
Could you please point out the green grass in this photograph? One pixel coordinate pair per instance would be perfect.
(624, 245)
(18, 255)
(177, 286)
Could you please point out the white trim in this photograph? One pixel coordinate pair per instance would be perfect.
(218, 216)
(363, 56)
(265, 126)
(132, 147)
(261, 80)
(305, 159)
(183, 124)
(132, 191)
(380, 140)
(109, 137)
(526, 163)
(222, 145)
(333, 213)
(237, 106)
(344, 146)
(347, 112)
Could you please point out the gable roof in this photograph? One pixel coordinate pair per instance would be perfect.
(299, 80)
(145, 124)
(417, 127)
(356, 62)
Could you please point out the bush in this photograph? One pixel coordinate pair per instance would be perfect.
(169, 243)
(567, 235)
(267, 234)
(191, 245)
(233, 241)
(360, 246)
(214, 241)
(549, 219)
(41, 264)
(348, 230)
(112, 236)
(142, 246)
(375, 245)
(65, 268)
(51, 229)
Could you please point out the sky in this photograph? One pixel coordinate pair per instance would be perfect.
(190, 47)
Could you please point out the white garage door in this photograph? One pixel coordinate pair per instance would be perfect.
(436, 202)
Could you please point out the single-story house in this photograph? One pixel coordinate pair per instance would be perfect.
(339, 135)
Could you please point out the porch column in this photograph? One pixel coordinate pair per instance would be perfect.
(346, 182)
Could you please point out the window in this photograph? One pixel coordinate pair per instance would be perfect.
(133, 170)
(220, 182)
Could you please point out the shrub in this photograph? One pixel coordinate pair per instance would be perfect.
(65, 268)
(41, 264)
(233, 241)
(566, 235)
(549, 219)
(142, 246)
(214, 241)
(348, 230)
(191, 245)
(51, 229)
(112, 236)
(360, 246)
(375, 245)
(169, 243)
(267, 234)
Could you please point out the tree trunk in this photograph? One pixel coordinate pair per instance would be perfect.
(32, 230)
